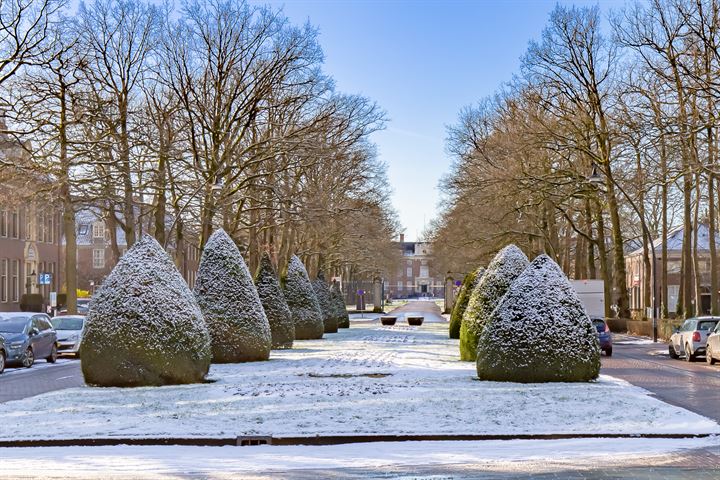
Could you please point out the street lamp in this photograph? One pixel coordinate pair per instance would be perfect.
(597, 180)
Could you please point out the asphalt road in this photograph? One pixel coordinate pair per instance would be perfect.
(691, 385)
(17, 383)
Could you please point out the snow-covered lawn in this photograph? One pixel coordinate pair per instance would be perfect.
(365, 380)
(231, 462)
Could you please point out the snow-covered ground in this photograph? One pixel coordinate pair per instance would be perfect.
(230, 462)
(365, 380)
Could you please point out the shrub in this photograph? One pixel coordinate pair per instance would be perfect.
(539, 331)
(468, 284)
(501, 271)
(31, 302)
(274, 304)
(144, 326)
(300, 296)
(338, 300)
(322, 293)
(230, 304)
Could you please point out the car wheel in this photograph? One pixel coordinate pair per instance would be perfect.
(672, 352)
(29, 358)
(689, 357)
(608, 352)
(708, 356)
(53, 355)
(2, 361)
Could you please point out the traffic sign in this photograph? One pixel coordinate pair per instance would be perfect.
(45, 278)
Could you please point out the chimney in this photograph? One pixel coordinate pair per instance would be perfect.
(402, 237)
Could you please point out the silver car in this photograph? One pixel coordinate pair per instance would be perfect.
(712, 351)
(69, 330)
(690, 339)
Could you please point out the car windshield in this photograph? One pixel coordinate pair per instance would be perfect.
(13, 324)
(67, 323)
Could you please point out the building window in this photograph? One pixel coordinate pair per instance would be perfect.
(98, 258)
(672, 300)
(83, 229)
(15, 224)
(409, 284)
(99, 230)
(4, 280)
(14, 280)
(3, 223)
(408, 273)
(424, 271)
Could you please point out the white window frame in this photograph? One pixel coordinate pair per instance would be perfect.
(98, 258)
(98, 229)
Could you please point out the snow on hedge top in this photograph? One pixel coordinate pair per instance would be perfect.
(145, 313)
(230, 303)
(494, 282)
(274, 303)
(539, 331)
(301, 299)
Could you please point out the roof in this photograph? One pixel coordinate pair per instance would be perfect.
(88, 216)
(675, 240)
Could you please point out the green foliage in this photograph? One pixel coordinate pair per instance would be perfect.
(340, 309)
(230, 304)
(501, 272)
(144, 326)
(301, 299)
(468, 284)
(539, 331)
(324, 298)
(276, 308)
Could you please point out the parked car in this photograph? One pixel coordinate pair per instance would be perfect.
(604, 335)
(712, 350)
(3, 353)
(69, 330)
(691, 338)
(82, 307)
(28, 335)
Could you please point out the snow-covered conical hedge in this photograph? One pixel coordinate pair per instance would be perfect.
(500, 273)
(230, 303)
(273, 301)
(468, 284)
(339, 304)
(322, 293)
(144, 326)
(539, 331)
(303, 304)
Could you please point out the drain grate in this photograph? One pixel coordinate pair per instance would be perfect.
(249, 441)
(348, 375)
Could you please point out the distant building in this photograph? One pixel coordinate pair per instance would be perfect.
(30, 247)
(413, 277)
(96, 256)
(636, 273)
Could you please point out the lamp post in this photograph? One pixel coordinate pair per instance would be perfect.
(596, 179)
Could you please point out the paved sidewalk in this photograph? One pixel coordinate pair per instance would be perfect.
(426, 308)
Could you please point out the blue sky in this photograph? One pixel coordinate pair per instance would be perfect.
(422, 61)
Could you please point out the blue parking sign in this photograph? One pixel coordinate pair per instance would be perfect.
(45, 278)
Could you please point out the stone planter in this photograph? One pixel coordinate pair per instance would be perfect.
(415, 320)
(388, 320)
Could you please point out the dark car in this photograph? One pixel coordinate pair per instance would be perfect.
(28, 336)
(604, 335)
(3, 353)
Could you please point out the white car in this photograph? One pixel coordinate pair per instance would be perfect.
(712, 350)
(69, 330)
(690, 339)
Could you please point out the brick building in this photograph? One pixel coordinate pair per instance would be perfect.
(414, 275)
(636, 275)
(30, 246)
(96, 256)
